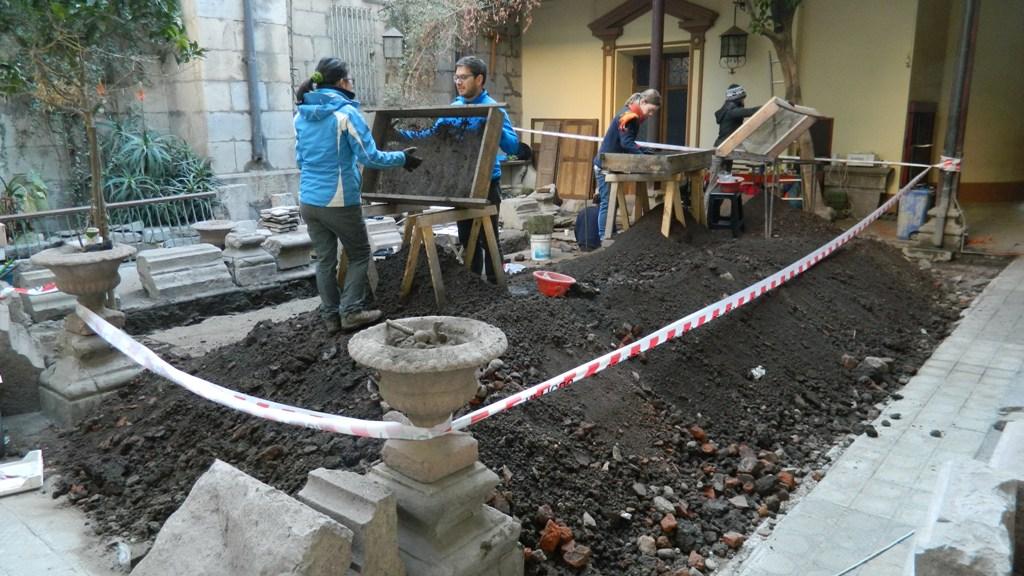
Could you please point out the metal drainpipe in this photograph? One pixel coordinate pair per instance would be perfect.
(953, 145)
(252, 68)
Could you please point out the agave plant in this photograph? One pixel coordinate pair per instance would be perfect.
(25, 193)
(129, 186)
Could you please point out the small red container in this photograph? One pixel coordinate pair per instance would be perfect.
(730, 185)
(552, 283)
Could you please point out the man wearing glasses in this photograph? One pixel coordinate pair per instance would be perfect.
(470, 77)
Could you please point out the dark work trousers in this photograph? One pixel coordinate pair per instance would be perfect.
(482, 258)
(326, 226)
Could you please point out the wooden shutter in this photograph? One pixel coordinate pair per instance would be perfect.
(547, 156)
(575, 176)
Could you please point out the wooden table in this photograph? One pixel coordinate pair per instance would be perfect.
(646, 169)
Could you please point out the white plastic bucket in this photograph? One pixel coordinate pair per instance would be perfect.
(540, 246)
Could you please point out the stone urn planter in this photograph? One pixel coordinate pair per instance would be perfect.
(426, 380)
(87, 368)
(213, 231)
(427, 371)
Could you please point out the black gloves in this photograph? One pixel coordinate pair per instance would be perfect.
(411, 162)
(524, 152)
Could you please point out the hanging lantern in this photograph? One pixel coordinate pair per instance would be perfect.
(394, 44)
(734, 45)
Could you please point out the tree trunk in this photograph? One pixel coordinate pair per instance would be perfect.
(99, 212)
(783, 43)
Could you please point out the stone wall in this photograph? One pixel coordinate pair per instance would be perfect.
(206, 102)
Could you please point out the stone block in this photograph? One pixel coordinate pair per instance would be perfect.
(232, 523)
(306, 23)
(302, 50)
(438, 508)
(272, 38)
(970, 525)
(275, 67)
(227, 10)
(229, 125)
(183, 271)
(270, 11)
(364, 507)
(217, 96)
(281, 152)
(222, 157)
(243, 154)
(514, 212)
(220, 34)
(279, 125)
(51, 306)
(279, 96)
(291, 250)
(1008, 455)
(223, 65)
(430, 460)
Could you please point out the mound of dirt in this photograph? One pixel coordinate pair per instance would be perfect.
(681, 445)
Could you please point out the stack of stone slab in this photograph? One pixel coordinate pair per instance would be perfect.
(183, 271)
(280, 219)
(247, 261)
(42, 307)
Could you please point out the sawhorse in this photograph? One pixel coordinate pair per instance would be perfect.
(419, 231)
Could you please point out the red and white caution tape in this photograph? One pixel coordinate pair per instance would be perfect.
(947, 164)
(44, 289)
(250, 404)
(378, 429)
(683, 325)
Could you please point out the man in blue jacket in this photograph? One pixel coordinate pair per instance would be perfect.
(470, 77)
(331, 137)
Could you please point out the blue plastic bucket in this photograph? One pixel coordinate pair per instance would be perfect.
(913, 210)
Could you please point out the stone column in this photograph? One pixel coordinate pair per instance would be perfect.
(87, 368)
(428, 370)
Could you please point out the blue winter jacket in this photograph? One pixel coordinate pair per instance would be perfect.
(509, 142)
(330, 137)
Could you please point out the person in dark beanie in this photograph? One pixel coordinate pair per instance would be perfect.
(620, 138)
(470, 77)
(331, 137)
(732, 113)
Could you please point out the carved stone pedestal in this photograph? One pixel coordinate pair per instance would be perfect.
(87, 369)
(427, 367)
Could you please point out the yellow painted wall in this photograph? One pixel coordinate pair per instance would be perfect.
(562, 61)
(854, 60)
(994, 136)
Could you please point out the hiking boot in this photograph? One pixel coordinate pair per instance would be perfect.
(355, 320)
(332, 324)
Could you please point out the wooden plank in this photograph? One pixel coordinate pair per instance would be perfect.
(547, 161)
(696, 179)
(437, 111)
(388, 209)
(488, 152)
(574, 176)
(492, 249)
(620, 177)
(474, 233)
(454, 215)
(381, 125)
(411, 261)
(425, 200)
(656, 163)
(434, 263)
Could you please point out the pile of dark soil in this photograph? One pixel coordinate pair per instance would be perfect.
(670, 452)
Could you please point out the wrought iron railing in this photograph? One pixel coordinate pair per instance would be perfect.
(150, 223)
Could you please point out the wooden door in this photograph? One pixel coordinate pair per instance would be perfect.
(547, 154)
(575, 178)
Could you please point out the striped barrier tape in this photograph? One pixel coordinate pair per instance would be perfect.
(676, 148)
(683, 325)
(44, 289)
(383, 429)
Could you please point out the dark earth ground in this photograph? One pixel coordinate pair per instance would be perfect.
(593, 456)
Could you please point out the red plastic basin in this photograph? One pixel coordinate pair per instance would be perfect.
(552, 283)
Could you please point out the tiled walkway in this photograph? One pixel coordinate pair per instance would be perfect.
(880, 488)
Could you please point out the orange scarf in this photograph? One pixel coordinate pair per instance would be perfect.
(635, 112)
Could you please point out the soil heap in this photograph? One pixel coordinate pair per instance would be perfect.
(658, 464)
